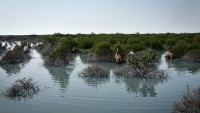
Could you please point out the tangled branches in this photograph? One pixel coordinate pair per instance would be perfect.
(190, 102)
(22, 88)
(94, 71)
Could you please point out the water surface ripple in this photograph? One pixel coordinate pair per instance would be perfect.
(64, 91)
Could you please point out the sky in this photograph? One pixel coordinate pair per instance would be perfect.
(25, 17)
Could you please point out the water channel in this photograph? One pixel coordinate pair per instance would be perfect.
(64, 91)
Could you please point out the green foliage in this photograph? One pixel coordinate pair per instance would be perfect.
(148, 58)
(193, 46)
(85, 43)
(102, 49)
(137, 47)
(133, 40)
(126, 42)
(156, 45)
(196, 39)
(58, 35)
(51, 39)
(146, 43)
(67, 43)
(171, 42)
(58, 52)
(142, 64)
(179, 49)
(63, 48)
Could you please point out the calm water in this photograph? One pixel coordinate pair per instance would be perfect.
(63, 91)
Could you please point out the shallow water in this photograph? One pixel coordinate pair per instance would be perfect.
(64, 91)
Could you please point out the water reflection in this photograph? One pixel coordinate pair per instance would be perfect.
(15, 68)
(95, 82)
(140, 87)
(12, 68)
(27, 95)
(60, 75)
(179, 65)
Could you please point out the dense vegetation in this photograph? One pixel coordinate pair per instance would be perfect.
(103, 46)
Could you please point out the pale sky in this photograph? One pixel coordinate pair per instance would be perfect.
(25, 17)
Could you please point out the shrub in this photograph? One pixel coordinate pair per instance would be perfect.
(67, 43)
(171, 42)
(103, 49)
(14, 57)
(133, 40)
(156, 45)
(189, 103)
(64, 47)
(85, 43)
(45, 49)
(137, 47)
(94, 71)
(122, 48)
(22, 88)
(192, 56)
(196, 39)
(179, 49)
(142, 65)
(146, 43)
(60, 56)
(193, 46)
(51, 39)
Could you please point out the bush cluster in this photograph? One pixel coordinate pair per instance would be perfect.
(94, 71)
(60, 56)
(15, 56)
(22, 88)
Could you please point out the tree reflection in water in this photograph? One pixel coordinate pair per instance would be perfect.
(95, 82)
(141, 87)
(15, 68)
(60, 75)
(181, 65)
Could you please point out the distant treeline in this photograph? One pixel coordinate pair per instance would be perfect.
(180, 43)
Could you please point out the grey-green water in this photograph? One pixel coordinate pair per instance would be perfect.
(63, 91)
